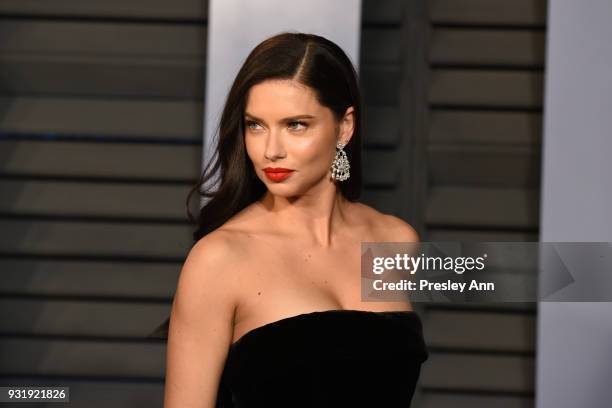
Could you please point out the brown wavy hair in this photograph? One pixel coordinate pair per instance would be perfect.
(313, 61)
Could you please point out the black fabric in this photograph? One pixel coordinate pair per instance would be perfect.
(333, 358)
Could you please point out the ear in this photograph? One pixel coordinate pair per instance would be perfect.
(347, 125)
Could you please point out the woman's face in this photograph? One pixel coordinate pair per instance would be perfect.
(288, 131)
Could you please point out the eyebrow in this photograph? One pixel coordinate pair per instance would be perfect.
(282, 120)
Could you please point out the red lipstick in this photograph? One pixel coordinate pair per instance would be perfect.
(277, 173)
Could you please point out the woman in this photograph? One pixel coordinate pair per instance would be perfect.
(267, 310)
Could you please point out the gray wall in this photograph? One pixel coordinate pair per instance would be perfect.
(482, 149)
(574, 365)
(101, 130)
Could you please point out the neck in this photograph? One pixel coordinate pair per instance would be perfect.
(316, 217)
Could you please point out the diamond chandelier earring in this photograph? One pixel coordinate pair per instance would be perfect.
(340, 166)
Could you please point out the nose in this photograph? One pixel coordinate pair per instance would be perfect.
(274, 148)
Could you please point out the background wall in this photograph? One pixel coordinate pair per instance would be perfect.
(101, 121)
(574, 353)
(480, 180)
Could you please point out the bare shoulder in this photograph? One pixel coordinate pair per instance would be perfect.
(215, 246)
(208, 274)
(399, 230)
(388, 227)
(201, 323)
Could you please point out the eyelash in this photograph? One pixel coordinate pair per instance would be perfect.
(298, 122)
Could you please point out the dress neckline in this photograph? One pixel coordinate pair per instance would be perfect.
(305, 315)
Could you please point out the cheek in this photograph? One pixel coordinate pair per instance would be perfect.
(313, 152)
(254, 150)
(319, 145)
(254, 155)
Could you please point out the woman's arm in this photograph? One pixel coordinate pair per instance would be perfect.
(201, 325)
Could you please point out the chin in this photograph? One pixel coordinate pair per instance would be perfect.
(284, 190)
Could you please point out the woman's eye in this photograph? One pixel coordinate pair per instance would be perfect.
(251, 124)
(293, 125)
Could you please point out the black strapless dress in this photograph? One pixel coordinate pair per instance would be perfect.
(333, 358)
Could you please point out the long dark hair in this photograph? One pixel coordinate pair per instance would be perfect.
(313, 61)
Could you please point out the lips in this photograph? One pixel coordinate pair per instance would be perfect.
(277, 173)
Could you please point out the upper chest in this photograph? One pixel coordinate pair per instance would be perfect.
(281, 271)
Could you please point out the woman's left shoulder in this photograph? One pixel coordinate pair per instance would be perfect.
(388, 227)
(399, 230)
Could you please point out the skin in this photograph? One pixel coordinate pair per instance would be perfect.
(295, 251)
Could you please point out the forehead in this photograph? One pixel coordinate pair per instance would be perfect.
(281, 98)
